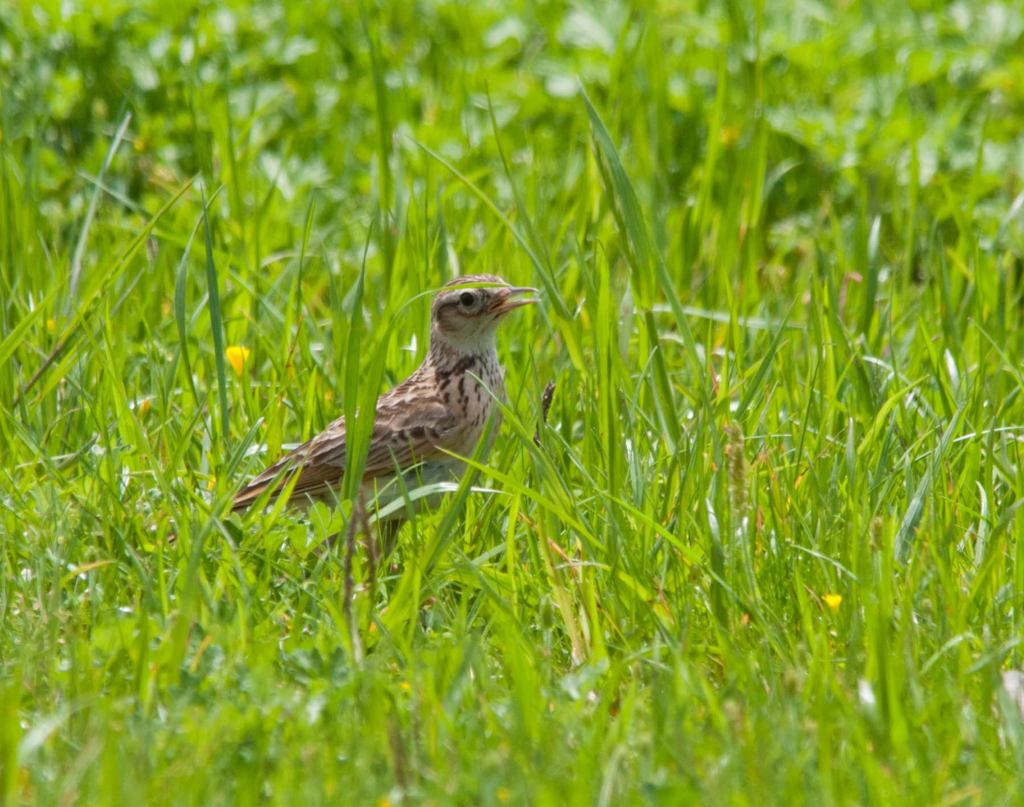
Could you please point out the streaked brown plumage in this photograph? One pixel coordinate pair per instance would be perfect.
(442, 407)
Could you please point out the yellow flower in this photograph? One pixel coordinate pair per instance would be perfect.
(51, 325)
(833, 601)
(503, 794)
(144, 406)
(212, 483)
(237, 356)
(728, 136)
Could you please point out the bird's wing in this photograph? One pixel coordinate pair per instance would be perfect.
(402, 437)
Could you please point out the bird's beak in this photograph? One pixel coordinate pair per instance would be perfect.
(508, 298)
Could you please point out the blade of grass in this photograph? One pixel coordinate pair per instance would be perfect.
(83, 235)
(216, 323)
(908, 526)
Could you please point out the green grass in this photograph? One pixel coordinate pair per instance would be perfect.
(781, 251)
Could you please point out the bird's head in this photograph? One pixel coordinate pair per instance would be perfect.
(466, 312)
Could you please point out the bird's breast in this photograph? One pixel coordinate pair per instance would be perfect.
(470, 390)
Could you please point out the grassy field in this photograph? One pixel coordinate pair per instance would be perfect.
(769, 546)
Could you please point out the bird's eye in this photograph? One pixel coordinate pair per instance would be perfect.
(467, 298)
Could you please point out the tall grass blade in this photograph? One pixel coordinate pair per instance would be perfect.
(216, 324)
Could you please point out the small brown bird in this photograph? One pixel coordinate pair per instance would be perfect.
(444, 406)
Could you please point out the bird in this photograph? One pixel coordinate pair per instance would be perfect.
(424, 424)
